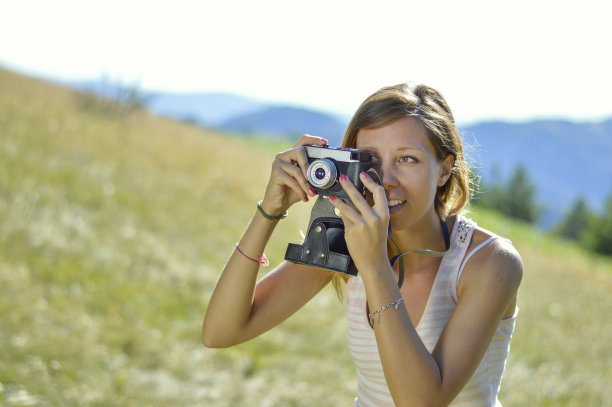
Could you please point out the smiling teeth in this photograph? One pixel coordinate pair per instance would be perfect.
(395, 203)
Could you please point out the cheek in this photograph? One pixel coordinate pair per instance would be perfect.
(426, 176)
(429, 185)
(421, 184)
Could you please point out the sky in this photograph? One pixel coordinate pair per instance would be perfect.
(513, 60)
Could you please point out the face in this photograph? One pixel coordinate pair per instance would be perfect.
(411, 171)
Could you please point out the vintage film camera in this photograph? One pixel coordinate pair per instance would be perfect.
(324, 245)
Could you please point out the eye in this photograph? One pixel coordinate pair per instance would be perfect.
(407, 159)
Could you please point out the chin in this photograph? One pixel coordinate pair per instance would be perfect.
(402, 218)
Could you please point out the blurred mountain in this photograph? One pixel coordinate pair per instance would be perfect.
(564, 159)
(286, 121)
(206, 109)
(230, 112)
(238, 114)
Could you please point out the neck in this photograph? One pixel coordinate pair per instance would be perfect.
(426, 234)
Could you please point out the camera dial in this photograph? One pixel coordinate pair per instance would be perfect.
(322, 173)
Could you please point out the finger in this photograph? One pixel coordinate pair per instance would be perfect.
(381, 205)
(347, 212)
(302, 161)
(296, 156)
(351, 190)
(307, 139)
(283, 178)
(297, 174)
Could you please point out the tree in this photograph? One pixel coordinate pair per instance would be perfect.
(576, 221)
(598, 237)
(514, 198)
(519, 196)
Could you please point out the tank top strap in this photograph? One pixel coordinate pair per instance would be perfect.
(461, 237)
(462, 232)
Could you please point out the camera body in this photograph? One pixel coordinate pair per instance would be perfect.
(324, 246)
(325, 164)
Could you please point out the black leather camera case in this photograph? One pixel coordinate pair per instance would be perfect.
(324, 246)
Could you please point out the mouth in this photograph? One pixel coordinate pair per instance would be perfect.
(395, 205)
(395, 202)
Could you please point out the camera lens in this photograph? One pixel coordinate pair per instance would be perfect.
(322, 173)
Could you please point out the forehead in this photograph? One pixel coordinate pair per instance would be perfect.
(406, 132)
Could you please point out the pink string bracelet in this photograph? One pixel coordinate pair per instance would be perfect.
(263, 260)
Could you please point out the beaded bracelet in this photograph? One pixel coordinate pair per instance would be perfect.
(270, 217)
(263, 260)
(395, 304)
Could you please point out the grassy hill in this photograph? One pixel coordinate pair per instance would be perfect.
(113, 230)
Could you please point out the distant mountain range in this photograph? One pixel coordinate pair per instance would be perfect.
(206, 109)
(238, 114)
(564, 159)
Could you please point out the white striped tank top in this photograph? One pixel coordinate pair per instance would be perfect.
(483, 386)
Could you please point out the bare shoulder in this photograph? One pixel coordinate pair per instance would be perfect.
(500, 250)
(497, 265)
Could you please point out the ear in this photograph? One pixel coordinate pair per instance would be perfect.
(446, 169)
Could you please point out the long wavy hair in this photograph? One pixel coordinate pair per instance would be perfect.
(429, 108)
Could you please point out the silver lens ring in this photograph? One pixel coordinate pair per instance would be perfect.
(322, 173)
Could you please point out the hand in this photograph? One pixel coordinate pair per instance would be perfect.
(365, 226)
(288, 182)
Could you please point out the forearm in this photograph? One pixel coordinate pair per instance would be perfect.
(412, 374)
(230, 314)
(231, 302)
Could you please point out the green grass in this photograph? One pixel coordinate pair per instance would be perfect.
(560, 353)
(113, 232)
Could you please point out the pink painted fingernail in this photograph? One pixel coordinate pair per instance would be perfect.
(326, 142)
(364, 174)
(312, 192)
(343, 178)
(332, 198)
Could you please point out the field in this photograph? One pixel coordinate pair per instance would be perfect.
(113, 231)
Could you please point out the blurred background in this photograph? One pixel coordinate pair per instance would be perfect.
(136, 138)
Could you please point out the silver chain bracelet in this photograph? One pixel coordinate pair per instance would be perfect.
(395, 304)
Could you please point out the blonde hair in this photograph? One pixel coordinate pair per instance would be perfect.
(430, 109)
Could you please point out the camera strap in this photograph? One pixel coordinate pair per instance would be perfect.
(426, 252)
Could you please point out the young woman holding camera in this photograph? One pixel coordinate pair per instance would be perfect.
(442, 337)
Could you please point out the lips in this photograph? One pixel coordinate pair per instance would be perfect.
(395, 205)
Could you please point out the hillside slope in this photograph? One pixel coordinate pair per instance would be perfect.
(564, 159)
(112, 234)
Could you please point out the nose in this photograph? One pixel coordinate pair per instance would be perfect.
(388, 177)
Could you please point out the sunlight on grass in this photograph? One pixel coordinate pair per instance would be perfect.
(113, 232)
(560, 352)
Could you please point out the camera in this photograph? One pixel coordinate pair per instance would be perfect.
(324, 245)
(326, 164)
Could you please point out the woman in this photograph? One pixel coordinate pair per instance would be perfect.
(442, 337)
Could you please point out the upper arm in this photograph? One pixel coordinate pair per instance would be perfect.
(281, 293)
(488, 288)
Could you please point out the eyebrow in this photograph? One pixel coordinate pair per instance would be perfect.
(375, 150)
